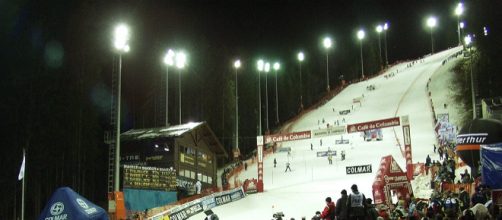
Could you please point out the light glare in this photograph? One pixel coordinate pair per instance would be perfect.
(327, 42)
(267, 67)
(467, 39)
(360, 34)
(260, 65)
(277, 66)
(431, 22)
(169, 57)
(301, 57)
(385, 26)
(462, 25)
(181, 60)
(121, 37)
(379, 28)
(237, 64)
(459, 9)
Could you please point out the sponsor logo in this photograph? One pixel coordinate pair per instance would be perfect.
(384, 123)
(87, 209)
(471, 138)
(287, 137)
(358, 169)
(326, 153)
(57, 208)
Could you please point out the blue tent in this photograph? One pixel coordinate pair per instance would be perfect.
(491, 161)
(66, 204)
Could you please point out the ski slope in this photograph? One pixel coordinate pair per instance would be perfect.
(302, 191)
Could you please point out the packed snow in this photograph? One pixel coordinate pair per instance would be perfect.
(400, 91)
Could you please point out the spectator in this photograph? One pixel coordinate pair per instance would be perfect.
(478, 197)
(466, 177)
(464, 199)
(371, 212)
(329, 211)
(341, 206)
(383, 212)
(356, 204)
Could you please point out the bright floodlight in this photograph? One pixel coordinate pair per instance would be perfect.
(431, 22)
(360, 34)
(121, 37)
(386, 26)
(277, 66)
(462, 24)
(267, 67)
(301, 57)
(237, 64)
(260, 65)
(169, 58)
(467, 39)
(459, 9)
(327, 42)
(379, 28)
(181, 60)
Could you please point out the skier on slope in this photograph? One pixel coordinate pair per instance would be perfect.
(287, 167)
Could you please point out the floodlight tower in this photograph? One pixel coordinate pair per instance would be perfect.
(360, 36)
(121, 44)
(458, 12)
(237, 65)
(327, 44)
(379, 30)
(431, 22)
(277, 66)
(301, 57)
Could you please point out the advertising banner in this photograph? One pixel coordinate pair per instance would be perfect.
(358, 169)
(192, 208)
(287, 137)
(326, 153)
(342, 141)
(335, 130)
(344, 112)
(384, 123)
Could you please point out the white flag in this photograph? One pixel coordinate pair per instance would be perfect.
(21, 171)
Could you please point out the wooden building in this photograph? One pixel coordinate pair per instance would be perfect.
(191, 149)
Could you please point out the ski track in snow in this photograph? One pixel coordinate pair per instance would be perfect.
(302, 191)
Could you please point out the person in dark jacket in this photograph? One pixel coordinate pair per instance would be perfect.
(356, 203)
(341, 206)
(371, 212)
(329, 211)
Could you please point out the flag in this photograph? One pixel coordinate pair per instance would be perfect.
(21, 171)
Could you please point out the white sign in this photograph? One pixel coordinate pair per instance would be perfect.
(406, 134)
(259, 140)
(260, 153)
(336, 130)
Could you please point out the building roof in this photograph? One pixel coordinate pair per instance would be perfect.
(177, 131)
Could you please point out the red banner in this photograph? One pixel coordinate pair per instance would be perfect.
(384, 123)
(287, 137)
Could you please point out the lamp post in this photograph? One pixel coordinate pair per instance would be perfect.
(379, 30)
(121, 38)
(301, 57)
(431, 22)
(327, 44)
(468, 41)
(277, 65)
(458, 12)
(385, 27)
(360, 36)
(237, 65)
(266, 68)
(181, 60)
(169, 61)
(260, 66)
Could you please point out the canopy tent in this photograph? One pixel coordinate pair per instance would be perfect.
(477, 132)
(390, 179)
(66, 204)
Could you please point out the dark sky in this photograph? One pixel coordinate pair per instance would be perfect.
(274, 30)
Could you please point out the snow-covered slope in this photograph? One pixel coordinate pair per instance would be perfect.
(302, 191)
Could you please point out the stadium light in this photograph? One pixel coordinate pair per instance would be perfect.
(237, 65)
(431, 22)
(277, 66)
(327, 44)
(360, 36)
